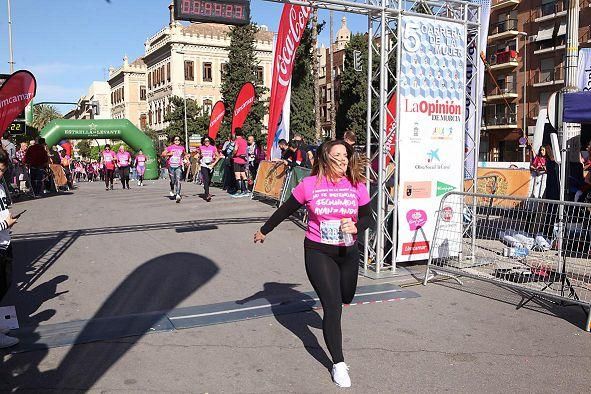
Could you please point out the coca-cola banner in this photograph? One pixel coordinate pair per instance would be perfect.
(215, 119)
(15, 94)
(294, 20)
(242, 106)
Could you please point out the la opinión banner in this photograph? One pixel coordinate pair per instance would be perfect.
(15, 94)
(294, 20)
(242, 106)
(215, 119)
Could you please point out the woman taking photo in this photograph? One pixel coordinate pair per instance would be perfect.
(338, 207)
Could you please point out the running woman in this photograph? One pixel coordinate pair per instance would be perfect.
(174, 155)
(140, 167)
(124, 162)
(108, 163)
(209, 157)
(338, 206)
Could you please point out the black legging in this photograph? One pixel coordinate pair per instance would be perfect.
(206, 177)
(109, 176)
(124, 174)
(334, 278)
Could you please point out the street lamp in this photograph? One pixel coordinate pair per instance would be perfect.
(185, 105)
(524, 131)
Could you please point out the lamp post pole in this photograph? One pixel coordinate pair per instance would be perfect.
(10, 59)
(185, 104)
(525, 81)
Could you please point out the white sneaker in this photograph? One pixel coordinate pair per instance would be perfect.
(6, 341)
(178, 198)
(340, 375)
(171, 194)
(139, 183)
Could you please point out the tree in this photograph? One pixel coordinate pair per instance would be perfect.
(241, 68)
(352, 111)
(43, 114)
(303, 105)
(197, 120)
(84, 148)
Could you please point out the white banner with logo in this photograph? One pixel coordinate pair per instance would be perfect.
(476, 95)
(431, 149)
(282, 132)
(584, 70)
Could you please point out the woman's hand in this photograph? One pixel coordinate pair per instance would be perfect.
(259, 237)
(10, 221)
(348, 226)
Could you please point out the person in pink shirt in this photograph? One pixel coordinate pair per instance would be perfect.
(140, 167)
(209, 157)
(240, 162)
(124, 163)
(108, 160)
(174, 155)
(338, 206)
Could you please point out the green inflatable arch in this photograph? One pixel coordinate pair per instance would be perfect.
(120, 129)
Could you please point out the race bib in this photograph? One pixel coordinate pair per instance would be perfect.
(175, 160)
(330, 232)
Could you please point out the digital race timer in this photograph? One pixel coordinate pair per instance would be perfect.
(231, 12)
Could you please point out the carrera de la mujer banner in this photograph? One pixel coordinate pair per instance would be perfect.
(431, 105)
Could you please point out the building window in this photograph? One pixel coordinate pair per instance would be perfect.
(150, 117)
(168, 71)
(207, 104)
(142, 93)
(223, 71)
(122, 94)
(143, 121)
(159, 114)
(207, 72)
(189, 68)
(149, 80)
(260, 74)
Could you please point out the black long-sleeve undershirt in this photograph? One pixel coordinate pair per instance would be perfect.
(290, 206)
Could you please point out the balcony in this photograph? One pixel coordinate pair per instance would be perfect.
(500, 4)
(508, 92)
(548, 46)
(548, 77)
(503, 60)
(500, 121)
(550, 11)
(503, 30)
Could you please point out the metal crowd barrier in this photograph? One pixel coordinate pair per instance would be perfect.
(538, 247)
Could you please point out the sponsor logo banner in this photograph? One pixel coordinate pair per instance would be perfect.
(244, 102)
(216, 118)
(294, 19)
(431, 95)
(584, 68)
(15, 94)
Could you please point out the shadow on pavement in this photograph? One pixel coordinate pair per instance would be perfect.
(157, 286)
(280, 294)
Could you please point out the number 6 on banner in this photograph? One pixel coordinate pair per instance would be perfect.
(412, 40)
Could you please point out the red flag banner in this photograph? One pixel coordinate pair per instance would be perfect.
(15, 94)
(215, 119)
(294, 20)
(391, 127)
(242, 106)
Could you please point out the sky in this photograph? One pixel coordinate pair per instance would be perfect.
(67, 44)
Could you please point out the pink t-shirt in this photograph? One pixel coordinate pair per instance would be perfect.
(207, 154)
(539, 162)
(241, 146)
(124, 158)
(176, 160)
(108, 159)
(327, 203)
(140, 161)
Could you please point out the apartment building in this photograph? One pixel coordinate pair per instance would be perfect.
(525, 54)
(128, 92)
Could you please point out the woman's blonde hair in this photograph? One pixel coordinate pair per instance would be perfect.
(322, 165)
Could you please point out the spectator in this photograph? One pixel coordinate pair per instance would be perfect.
(228, 152)
(6, 223)
(37, 159)
(65, 162)
(240, 162)
(10, 149)
(21, 170)
(283, 147)
(305, 151)
(350, 138)
(251, 153)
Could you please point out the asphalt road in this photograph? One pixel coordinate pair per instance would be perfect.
(93, 254)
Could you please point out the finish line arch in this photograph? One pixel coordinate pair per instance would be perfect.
(120, 129)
